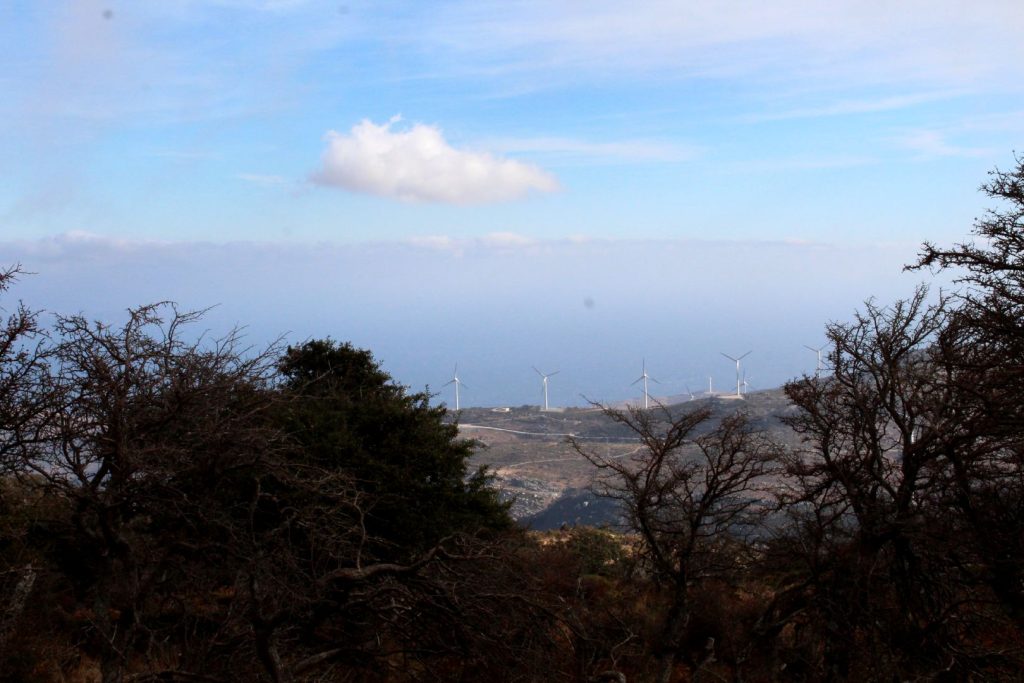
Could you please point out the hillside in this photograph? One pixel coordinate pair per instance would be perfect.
(528, 451)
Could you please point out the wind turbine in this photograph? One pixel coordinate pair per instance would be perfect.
(544, 381)
(737, 361)
(745, 383)
(644, 376)
(690, 393)
(817, 371)
(457, 382)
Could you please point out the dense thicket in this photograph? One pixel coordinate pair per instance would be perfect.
(174, 509)
(182, 507)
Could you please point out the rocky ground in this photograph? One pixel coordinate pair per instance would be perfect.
(529, 452)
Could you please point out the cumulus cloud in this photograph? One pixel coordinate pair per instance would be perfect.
(418, 164)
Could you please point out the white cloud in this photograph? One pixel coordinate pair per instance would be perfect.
(938, 42)
(848, 107)
(1012, 121)
(494, 241)
(509, 240)
(418, 164)
(434, 242)
(933, 143)
(619, 150)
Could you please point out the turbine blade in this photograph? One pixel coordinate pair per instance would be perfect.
(537, 371)
(745, 355)
(553, 373)
(729, 357)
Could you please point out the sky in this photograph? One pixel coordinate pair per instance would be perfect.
(580, 186)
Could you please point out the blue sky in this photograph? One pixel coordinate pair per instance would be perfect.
(493, 133)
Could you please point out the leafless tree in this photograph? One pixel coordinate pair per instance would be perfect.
(132, 427)
(690, 498)
(992, 269)
(884, 553)
(984, 354)
(23, 357)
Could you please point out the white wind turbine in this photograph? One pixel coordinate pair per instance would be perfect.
(737, 361)
(457, 382)
(644, 377)
(817, 371)
(544, 381)
(689, 393)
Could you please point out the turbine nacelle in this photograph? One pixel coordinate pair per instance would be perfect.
(644, 377)
(817, 351)
(457, 382)
(544, 382)
(737, 361)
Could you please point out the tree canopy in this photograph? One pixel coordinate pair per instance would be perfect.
(345, 412)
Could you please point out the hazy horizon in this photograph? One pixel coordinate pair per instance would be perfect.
(593, 310)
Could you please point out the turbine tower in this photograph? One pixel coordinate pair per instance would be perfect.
(544, 381)
(737, 361)
(644, 376)
(817, 371)
(457, 382)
